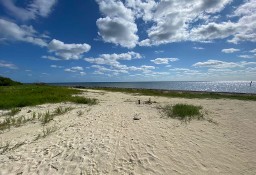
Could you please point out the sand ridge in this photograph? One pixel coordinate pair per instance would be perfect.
(104, 139)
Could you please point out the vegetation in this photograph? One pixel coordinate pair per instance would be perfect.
(8, 82)
(13, 112)
(60, 110)
(183, 94)
(31, 95)
(46, 131)
(82, 100)
(46, 118)
(183, 112)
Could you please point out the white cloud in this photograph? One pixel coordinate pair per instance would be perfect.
(119, 25)
(230, 50)
(55, 66)
(159, 51)
(246, 56)
(68, 51)
(74, 69)
(253, 51)
(164, 60)
(113, 59)
(51, 58)
(217, 64)
(198, 48)
(12, 32)
(195, 20)
(82, 73)
(213, 31)
(8, 65)
(32, 10)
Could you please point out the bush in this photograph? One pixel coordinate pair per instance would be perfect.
(83, 100)
(183, 112)
(8, 82)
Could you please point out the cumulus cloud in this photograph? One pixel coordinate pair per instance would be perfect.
(32, 10)
(51, 58)
(246, 56)
(74, 69)
(230, 50)
(217, 64)
(68, 51)
(55, 66)
(164, 60)
(118, 26)
(8, 65)
(113, 65)
(12, 32)
(175, 21)
(113, 59)
(253, 51)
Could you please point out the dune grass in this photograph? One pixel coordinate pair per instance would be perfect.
(183, 94)
(31, 95)
(183, 112)
(82, 100)
(13, 112)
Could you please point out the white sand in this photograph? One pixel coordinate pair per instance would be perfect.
(106, 140)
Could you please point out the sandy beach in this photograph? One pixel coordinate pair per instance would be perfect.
(105, 138)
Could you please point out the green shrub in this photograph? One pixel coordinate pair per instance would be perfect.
(83, 100)
(8, 82)
(183, 112)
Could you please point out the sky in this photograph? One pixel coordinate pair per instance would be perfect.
(127, 40)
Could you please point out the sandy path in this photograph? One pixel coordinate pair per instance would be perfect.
(106, 140)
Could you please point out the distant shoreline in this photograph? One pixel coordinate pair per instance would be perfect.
(236, 87)
(165, 91)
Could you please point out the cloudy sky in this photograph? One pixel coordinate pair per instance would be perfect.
(127, 40)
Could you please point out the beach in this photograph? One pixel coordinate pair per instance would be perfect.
(105, 138)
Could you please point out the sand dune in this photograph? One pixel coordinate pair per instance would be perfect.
(104, 139)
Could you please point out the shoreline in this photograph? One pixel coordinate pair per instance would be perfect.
(166, 90)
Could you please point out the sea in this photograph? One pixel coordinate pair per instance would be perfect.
(204, 86)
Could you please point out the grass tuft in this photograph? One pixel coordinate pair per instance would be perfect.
(13, 112)
(46, 132)
(61, 110)
(83, 100)
(46, 118)
(183, 112)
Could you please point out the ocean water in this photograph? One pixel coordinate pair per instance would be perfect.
(208, 86)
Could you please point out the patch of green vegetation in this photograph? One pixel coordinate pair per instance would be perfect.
(31, 95)
(46, 131)
(46, 118)
(182, 94)
(83, 100)
(183, 112)
(8, 82)
(13, 112)
(61, 110)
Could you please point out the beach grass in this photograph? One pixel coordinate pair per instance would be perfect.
(82, 100)
(183, 94)
(13, 112)
(31, 95)
(184, 112)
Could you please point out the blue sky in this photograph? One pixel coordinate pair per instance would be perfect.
(127, 40)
